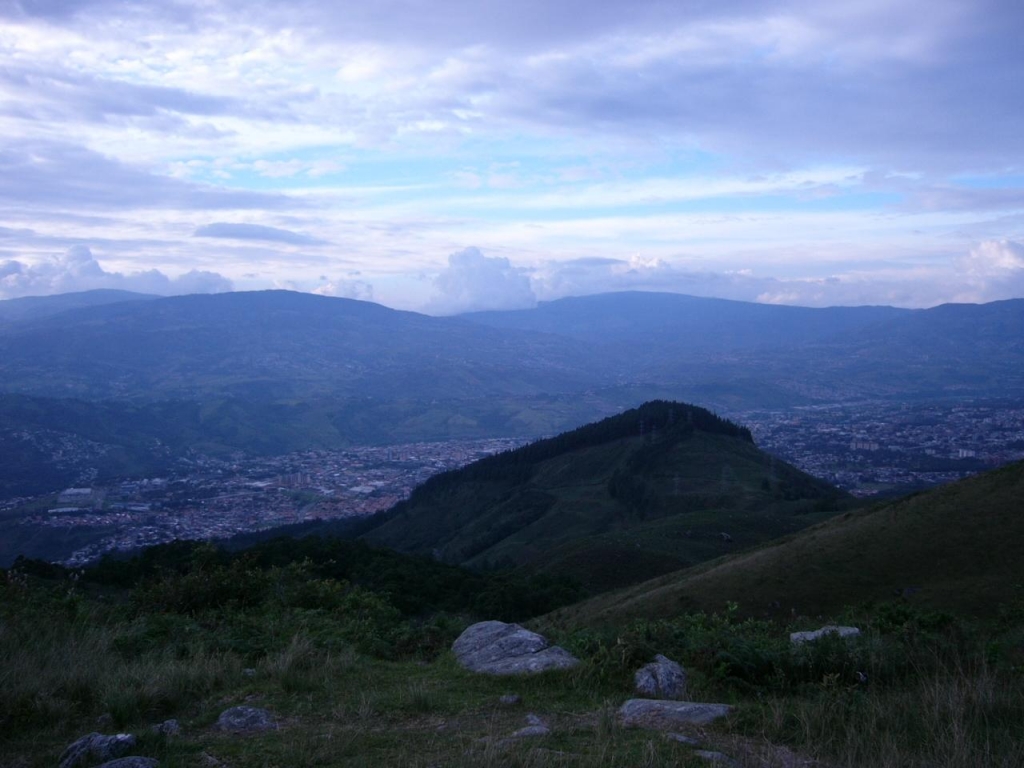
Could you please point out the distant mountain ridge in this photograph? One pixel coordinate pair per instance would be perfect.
(678, 322)
(277, 370)
(277, 344)
(33, 307)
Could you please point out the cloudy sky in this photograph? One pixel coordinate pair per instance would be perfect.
(457, 154)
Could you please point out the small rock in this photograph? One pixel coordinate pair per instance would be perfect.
(245, 720)
(797, 638)
(95, 748)
(209, 760)
(249, 672)
(497, 648)
(663, 715)
(714, 757)
(661, 679)
(681, 738)
(533, 719)
(132, 762)
(511, 699)
(167, 728)
(531, 730)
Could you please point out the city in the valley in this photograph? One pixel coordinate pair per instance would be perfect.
(867, 449)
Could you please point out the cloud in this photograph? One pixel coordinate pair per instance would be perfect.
(474, 282)
(78, 270)
(256, 232)
(993, 270)
(345, 288)
(51, 174)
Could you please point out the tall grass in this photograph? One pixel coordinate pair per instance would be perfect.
(55, 669)
(964, 716)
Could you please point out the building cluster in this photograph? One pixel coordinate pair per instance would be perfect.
(883, 447)
(214, 498)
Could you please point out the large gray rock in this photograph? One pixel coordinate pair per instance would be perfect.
(245, 720)
(798, 638)
(132, 762)
(664, 715)
(497, 648)
(661, 679)
(95, 748)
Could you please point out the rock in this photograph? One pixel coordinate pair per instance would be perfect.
(531, 730)
(167, 728)
(511, 699)
(245, 720)
(661, 679)
(664, 715)
(95, 748)
(132, 762)
(497, 648)
(714, 757)
(681, 738)
(535, 726)
(797, 638)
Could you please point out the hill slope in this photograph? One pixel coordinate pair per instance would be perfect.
(954, 548)
(648, 491)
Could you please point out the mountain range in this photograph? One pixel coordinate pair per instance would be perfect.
(273, 371)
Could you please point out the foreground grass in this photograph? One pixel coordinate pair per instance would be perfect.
(354, 684)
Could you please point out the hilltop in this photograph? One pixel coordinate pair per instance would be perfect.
(955, 548)
(650, 490)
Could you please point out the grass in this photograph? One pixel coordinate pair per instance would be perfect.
(939, 692)
(955, 548)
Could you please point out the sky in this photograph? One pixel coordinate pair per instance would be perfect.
(454, 155)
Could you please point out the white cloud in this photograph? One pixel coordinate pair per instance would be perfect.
(78, 270)
(345, 288)
(993, 270)
(473, 281)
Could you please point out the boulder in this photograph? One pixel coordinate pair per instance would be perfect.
(661, 679)
(167, 728)
(798, 638)
(95, 748)
(245, 720)
(497, 648)
(132, 762)
(663, 715)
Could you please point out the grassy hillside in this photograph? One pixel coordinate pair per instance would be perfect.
(956, 548)
(346, 649)
(653, 489)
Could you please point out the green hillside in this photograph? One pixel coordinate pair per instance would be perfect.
(654, 489)
(956, 548)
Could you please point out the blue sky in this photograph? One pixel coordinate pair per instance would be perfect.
(453, 155)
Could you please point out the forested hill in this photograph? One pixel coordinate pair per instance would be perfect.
(648, 419)
(653, 489)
